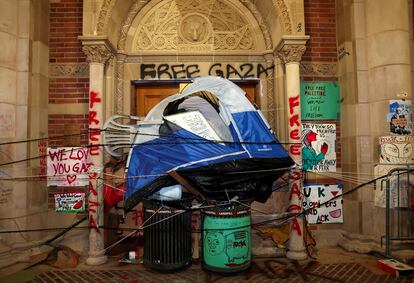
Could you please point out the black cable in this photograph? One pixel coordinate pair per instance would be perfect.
(285, 218)
(66, 230)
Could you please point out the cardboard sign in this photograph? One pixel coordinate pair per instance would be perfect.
(396, 150)
(70, 202)
(319, 100)
(315, 195)
(67, 166)
(319, 147)
(194, 122)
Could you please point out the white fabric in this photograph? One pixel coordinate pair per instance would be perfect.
(196, 103)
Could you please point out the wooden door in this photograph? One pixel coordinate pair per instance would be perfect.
(149, 94)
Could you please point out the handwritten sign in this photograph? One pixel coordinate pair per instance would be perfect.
(396, 150)
(70, 202)
(319, 100)
(67, 166)
(319, 206)
(194, 122)
(318, 147)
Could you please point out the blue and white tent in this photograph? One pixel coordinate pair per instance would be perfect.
(245, 161)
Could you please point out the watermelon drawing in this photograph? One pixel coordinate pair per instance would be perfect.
(335, 213)
(78, 205)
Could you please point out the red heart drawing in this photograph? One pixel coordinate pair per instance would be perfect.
(71, 178)
(334, 193)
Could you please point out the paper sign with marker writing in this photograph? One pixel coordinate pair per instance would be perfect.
(70, 202)
(323, 203)
(194, 122)
(67, 166)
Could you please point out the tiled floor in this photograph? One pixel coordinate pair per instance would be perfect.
(263, 270)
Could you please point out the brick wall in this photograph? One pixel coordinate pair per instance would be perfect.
(66, 49)
(65, 27)
(320, 24)
(68, 129)
(66, 86)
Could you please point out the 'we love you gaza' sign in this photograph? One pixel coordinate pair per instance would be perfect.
(67, 166)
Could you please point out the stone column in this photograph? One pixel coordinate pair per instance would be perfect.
(290, 50)
(98, 54)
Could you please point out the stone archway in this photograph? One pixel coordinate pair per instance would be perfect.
(146, 21)
(107, 7)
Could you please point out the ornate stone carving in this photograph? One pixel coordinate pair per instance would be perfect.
(203, 24)
(68, 70)
(266, 34)
(104, 14)
(133, 11)
(107, 6)
(284, 16)
(270, 95)
(291, 53)
(318, 69)
(195, 28)
(97, 53)
(119, 86)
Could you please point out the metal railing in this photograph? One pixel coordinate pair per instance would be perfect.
(399, 222)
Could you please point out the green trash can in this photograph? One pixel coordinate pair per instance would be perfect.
(226, 241)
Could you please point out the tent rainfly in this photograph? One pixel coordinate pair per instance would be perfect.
(213, 137)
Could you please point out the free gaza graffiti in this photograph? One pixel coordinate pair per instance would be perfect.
(181, 71)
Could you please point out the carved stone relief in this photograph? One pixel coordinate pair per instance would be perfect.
(107, 6)
(133, 11)
(119, 75)
(195, 28)
(284, 15)
(98, 53)
(193, 25)
(68, 70)
(318, 69)
(291, 53)
(104, 15)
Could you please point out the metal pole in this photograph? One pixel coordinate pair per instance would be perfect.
(387, 218)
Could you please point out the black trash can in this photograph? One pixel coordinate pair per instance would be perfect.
(167, 238)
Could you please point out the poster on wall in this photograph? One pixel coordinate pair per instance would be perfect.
(400, 186)
(67, 166)
(330, 210)
(70, 202)
(319, 100)
(396, 150)
(319, 147)
(400, 117)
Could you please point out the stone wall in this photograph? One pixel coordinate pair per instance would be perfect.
(23, 108)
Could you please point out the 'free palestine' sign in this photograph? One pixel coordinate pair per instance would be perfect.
(319, 100)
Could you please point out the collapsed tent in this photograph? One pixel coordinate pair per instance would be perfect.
(234, 153)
